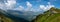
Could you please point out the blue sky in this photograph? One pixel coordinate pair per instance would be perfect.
(29, 5)
(36, 3)
(39, 2)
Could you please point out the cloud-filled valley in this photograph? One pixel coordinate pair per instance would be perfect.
(26, 9)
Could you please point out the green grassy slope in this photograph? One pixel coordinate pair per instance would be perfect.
(48, 16)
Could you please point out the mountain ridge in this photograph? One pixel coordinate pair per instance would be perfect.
(47, 15)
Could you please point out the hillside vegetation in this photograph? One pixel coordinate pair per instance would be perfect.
(52, 15)
(5, 19)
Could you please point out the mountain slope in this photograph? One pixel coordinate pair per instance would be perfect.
(52, 15)
(3, 17)
(6, 17)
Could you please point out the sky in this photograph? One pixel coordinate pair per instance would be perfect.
(29, 5)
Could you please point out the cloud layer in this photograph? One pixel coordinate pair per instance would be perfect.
(29, 6)
(7, 4)
(11, 4)
(20, 8)
(47, 7)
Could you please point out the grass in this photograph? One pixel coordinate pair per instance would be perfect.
(48, 16)
(5, 19)
(52, 18)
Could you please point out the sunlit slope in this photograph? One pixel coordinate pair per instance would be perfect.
(5, 19)
(52, 15)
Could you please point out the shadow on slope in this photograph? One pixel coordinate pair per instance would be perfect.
(14, 18)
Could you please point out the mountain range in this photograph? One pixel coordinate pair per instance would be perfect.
(29, 16)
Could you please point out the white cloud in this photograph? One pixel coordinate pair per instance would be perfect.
(29, 6)
(32, 9)
(2, 6)
(42, 6)
(47, 7)
(7, 4)
(10, 4)
(19, 8)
